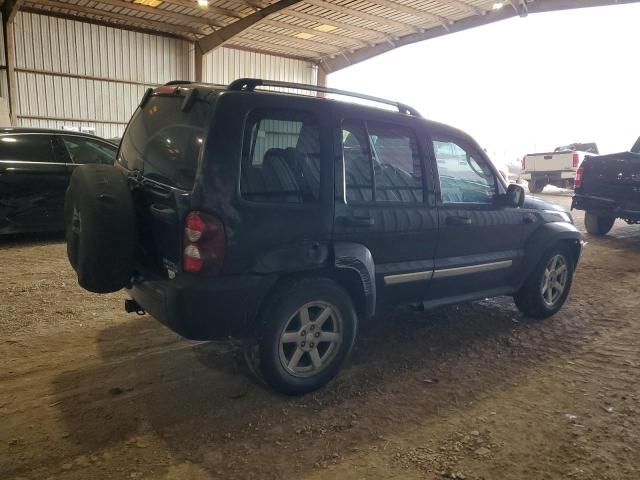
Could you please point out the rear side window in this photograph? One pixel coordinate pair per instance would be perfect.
(164, 142)
(85, 150)
(281, 157)
(27, 148)
(383, 158)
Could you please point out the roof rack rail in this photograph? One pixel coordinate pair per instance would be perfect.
(178, 82)
(250, 84)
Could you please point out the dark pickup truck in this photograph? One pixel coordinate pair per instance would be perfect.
(608, 187)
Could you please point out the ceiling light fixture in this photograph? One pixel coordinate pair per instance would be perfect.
(203, 3)
(498, 5)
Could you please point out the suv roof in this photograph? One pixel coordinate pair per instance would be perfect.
(250, 84)
(247, 86)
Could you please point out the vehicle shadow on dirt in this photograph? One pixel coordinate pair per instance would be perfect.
(200, 399)
(15, 240)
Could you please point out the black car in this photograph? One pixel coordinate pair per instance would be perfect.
(35, 168)
(608, 187)
(289, 220)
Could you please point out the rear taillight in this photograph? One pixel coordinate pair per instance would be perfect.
(577, 183)
(524, 163)
(204, 243)
(576, 160)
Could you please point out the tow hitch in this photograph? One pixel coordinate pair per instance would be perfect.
(131, 306)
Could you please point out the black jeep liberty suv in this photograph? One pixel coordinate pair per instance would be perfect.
(287, 220)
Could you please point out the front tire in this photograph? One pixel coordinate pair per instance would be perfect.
(309, 327)
(597, 224)
(536, 187)
(548, 286)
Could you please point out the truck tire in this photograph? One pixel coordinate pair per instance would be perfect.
(548, 286)
(598, 224)
(100, 227)
(536, 187)
(308, 329)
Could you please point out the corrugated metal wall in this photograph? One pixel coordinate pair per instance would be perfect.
(224, 65)
(71, 73)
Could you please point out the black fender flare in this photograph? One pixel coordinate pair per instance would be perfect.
(357, 258)
(548, 234)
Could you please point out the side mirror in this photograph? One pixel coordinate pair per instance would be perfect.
(515, 196)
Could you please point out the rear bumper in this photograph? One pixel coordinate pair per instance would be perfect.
(204, 308)
(605, 207)
(550, 177)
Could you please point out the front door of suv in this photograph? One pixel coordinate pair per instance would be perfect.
(479, 239)
(382, 201)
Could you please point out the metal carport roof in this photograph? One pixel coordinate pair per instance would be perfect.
(330, 33)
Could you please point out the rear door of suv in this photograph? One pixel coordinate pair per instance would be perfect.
(33, 178)
(383, 200)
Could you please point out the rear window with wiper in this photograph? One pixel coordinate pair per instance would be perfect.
(163, 142)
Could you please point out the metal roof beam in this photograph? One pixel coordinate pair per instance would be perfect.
(414, 12)
(363, 15)
(210, 9)
(220, 37)
(152, 24)
(379, 36)
(327, 48)
(10, 9)
(275, 49)
(311, 31)
(200, 20)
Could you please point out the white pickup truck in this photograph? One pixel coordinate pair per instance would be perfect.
(556, 168)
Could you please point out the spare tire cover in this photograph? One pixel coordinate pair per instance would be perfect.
(100, 227)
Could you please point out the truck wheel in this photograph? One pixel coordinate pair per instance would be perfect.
(536, 187)
(598, 224)
(548, 286)
(308, 330)
(100, 226)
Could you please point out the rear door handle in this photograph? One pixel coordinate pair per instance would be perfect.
(357, 221)
(455, 220)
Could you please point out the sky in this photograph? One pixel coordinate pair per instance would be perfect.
(522, 85)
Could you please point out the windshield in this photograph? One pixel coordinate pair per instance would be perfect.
(164, 142)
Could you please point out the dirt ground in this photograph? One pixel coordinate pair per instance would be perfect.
(466, 392)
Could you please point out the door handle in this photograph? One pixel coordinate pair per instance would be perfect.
(455, 220)
(357, 221)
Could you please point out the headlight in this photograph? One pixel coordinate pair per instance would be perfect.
(557, 216)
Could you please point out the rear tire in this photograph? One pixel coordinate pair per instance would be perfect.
(548, 286)
(309, 327)
(598, 224)
(100, 226)
(536, 187)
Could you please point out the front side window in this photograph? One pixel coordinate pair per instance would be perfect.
(465, 177)
(281, 157)
(85, 150)
(27, 148)
(382, 158)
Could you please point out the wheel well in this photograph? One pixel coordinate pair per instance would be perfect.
(574, 248)
(347, 279)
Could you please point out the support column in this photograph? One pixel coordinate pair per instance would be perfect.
(198, 62)
(9, 11)
(321, 80)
